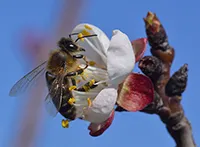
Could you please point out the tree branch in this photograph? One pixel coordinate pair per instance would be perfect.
(167, 90)
(167, 102)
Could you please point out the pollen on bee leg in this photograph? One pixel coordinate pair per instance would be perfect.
(65, 123)
(71, 101)
(72, 88)
(89, 102)
(92, 82)
(86, 88)
(80, 36)
(88, 27)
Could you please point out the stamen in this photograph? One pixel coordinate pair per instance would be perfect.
(71, 101)
(72, 88)
(80, 36)
(88, 27)
(65, 123)
(91, 63)
(85, 32)
(89, 102)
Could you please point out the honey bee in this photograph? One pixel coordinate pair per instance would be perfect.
(60, 70)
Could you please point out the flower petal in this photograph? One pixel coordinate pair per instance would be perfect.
(139, 47)
(96, 47)
(102, 106)
(136, 92)
(120, 57)
(98, 129)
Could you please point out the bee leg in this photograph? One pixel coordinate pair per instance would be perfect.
(73, 81)
(70, 35)
(89, 85)
(86, 62)
(73, 87)
(75, 73)
(79, 56)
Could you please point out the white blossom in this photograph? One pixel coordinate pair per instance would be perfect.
(113, 60)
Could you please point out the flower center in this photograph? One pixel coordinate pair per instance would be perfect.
(87, 89)
(88, 86)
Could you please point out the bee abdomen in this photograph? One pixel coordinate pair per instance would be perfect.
(68, 110)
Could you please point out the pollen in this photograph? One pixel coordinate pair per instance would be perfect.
(88, 27)
(91, 63)
(72, 88)
(71, 101)
(86, 88)
(65, 123)
(80, 36)
(89, 102)
(91, 82)
(85, 32)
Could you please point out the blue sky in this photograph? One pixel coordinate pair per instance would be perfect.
(181, 20)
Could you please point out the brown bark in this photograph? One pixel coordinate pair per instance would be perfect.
(167, 90)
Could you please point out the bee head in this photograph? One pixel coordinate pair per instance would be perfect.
(68, 45)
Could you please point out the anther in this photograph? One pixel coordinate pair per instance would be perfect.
(91, 63)
(71, 101)
(88, 27)
(72, 88)
(85, 32)
(80, 36)
(89, 102)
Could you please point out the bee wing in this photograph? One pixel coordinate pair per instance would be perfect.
(53, 100)
(26, 81)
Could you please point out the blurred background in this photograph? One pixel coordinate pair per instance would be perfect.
(30, 29)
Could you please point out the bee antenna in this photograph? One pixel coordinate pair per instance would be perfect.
(85, 37)
(70, 35)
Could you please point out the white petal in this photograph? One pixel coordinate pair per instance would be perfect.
(93, 73)
(96, 47)
(81, 100)
(102, 106)
(120, 57)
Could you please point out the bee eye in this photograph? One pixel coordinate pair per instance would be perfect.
(71, 46)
